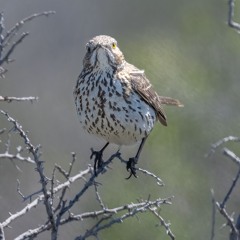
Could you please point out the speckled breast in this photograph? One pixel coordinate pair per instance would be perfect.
(108, 108)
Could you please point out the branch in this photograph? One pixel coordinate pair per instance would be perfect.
(232, 156)
(223, 204)
(213, 215)
(39, 167)
(231, 22)
(216, 145)
(2, 236)
(10, 51)
(18, 99)
(6, 44)
(163, 222)
(13, 31)
(40, 198)
(230, 220)
(15, 157)
(234, 234)
(58, 212)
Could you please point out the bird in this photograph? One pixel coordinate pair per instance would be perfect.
(115, 100)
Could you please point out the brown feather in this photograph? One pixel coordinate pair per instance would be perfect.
(170, 101)
(143, 87)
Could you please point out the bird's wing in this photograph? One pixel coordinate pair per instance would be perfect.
(143, 87)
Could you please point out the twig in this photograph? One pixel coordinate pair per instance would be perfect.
(99, 199)
(232, 156)
(18, 99)
(159, 181)
(89, 183)
(39, 167)
(223, 204)
(2, 236)
(230, 220)
(213, 215)
(163, 222)
(16, 157)
(12, 32)
(6, 44)
(40, 198)
(10, 51)
(234, 233)
(220, 142)
(231, 22)
(132, 210)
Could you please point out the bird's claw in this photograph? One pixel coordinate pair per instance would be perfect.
(98, 161)
(131, 167)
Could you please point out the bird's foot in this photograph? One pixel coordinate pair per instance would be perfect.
(98, 161)
(131, 167)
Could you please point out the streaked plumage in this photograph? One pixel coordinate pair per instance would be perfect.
(114, 99)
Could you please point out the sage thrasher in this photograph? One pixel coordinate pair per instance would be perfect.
(115, 100)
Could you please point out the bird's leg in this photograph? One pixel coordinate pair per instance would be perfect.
(133, 161)
(98, 158)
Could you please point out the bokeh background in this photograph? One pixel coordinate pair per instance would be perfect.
(187, 51)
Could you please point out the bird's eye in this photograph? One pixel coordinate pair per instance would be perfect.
(88, 48)
(114, 45)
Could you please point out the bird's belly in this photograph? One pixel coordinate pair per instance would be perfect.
(116, 119)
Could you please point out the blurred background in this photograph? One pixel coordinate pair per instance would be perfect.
(188, 52)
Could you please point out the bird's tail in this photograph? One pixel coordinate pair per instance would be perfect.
(170, 101)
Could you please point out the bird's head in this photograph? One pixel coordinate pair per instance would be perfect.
(103, 52)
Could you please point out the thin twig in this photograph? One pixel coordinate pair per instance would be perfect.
(39, 167)
(18, 99)
(231, 22)
(17, 156)
(220, 142)
(213, 215)
(40, 198)
(10, 51)
(163, 222)
(230, 220)
(223, 204)
(2, 235)
(232, 156)
(12, 32)
(159, 180)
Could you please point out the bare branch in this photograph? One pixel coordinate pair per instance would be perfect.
(162, 222)
(230, 220)
(132, 210)
(213, 215)
(40, 198)
(220, 142)
(2, 236)
(232, 156)
(18, 99)
(10, 51)
(6, 44)
(159, 181)
(13, 31)
(234, 233)
(223, 204)
(35, 152)
(99, 199)
(16, 157)
(231, 22)
(89, 183)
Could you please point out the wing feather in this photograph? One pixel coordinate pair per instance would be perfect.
(144, 88)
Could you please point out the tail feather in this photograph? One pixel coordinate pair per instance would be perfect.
(170, 101)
